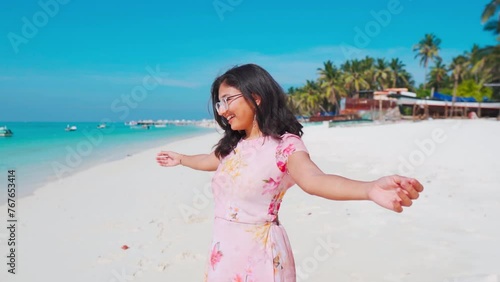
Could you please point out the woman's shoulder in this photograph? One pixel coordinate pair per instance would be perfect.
(288, 135)
(292, 141)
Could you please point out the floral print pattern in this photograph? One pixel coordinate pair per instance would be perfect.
(216, 255)
(232, 166)
(270, 185)
(274, 206)
(249, 243)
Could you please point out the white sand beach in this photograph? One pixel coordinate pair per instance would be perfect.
(74, 229)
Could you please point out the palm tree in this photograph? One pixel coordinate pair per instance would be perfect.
(311, 97)
(457, 68)
(292, 101)
(354, 76)
(438, 75)
(492, 60)
(330, 78)
(493, 52)
(299, 100)
(491, 55)
(487, 68)
(475, 62)
(428, 50)
(381, 74)
(397, 68)
(408, 79)
(367, 69)
(488, 15)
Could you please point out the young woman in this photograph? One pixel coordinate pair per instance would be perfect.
(259, 157)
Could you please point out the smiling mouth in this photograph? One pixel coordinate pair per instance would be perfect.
(229, 118)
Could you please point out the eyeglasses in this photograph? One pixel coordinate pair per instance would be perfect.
(224, 102)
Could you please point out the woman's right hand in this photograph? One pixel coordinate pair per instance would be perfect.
(168, 158)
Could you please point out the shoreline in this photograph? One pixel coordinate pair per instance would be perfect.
(42, 179)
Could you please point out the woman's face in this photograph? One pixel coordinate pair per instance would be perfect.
(239, 113)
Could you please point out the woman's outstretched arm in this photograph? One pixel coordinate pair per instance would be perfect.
(206, 162)
(391, 192)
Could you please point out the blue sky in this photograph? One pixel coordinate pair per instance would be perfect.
(77, 60)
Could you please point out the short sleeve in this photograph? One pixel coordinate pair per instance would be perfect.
(289, 144)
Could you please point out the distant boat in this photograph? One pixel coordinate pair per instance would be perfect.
(102, 126)
(5, 132)
(70, 128)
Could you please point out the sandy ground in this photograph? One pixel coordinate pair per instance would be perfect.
(74, 229)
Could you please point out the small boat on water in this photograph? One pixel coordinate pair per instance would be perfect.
(70, 128)
(5, 132)
(102, 126)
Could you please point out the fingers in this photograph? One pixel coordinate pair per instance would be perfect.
(396, 206)
(163, 154)
(410, 189)
(399, 192)
(417, 185)
(403, 198)
(165, 158)
(411, 186)
(162, 161)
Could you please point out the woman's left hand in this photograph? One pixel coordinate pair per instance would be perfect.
(395, 192)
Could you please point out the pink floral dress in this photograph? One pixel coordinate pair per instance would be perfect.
(249, 244)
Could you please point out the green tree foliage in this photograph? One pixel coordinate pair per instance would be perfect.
(333, 83)
(492, 21)
(469, 88)
(438, 76)
(427, 50)
(466, 75)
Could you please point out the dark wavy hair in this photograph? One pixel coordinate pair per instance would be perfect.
(272, 115)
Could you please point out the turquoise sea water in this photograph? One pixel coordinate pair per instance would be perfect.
(41, 152)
